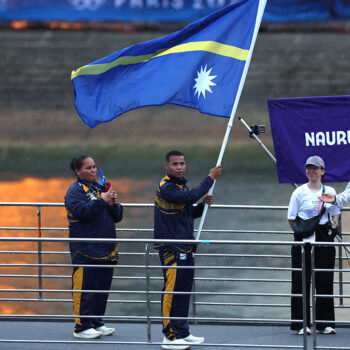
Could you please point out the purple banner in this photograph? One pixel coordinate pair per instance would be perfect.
(303, 127)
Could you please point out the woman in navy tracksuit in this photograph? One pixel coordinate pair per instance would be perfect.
(92, 213)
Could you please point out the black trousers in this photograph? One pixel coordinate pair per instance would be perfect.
(89, 303)
(176, 280)
(324, 259)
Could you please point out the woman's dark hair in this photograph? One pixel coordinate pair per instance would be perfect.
(77, 162)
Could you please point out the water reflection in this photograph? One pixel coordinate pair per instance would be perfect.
(53, 190)
(49, 191)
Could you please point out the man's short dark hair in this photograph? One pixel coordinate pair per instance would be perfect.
(173, 153)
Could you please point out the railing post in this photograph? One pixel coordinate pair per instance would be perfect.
(303, 278)
(148, 301)
(194, 309)
(40, 286)
(340, 255)
(313, 298)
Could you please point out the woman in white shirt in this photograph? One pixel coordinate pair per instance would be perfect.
(304, 203)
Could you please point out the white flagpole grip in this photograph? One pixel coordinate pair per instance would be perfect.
(262, 4)
(206, 206)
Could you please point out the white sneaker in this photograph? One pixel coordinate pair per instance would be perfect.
(105, 330)
(88, 334)
(301, 332)
(194, 340)
(328, 330)
(177, 344)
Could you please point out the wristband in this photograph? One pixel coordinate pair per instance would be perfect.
(335, 199)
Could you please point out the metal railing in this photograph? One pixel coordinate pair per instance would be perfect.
(261, 286)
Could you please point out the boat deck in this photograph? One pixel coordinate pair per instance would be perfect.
(240, 300)
(58, 335)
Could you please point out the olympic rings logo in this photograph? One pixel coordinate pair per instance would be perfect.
(92, 5)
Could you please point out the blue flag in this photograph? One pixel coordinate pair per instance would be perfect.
(199, 66)
(102, 180)
(101, 177)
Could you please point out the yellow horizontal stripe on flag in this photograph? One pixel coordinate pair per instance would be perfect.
(209, 46)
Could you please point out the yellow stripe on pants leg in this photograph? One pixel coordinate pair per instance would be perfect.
(77, 285)
(168, 298)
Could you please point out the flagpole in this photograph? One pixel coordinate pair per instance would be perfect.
(262, 4)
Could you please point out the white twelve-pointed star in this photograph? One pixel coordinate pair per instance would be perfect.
(203, 81)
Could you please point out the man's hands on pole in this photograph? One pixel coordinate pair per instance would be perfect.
(214, 174)
(208, 199)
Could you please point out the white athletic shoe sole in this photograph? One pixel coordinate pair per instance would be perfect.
(178, 344)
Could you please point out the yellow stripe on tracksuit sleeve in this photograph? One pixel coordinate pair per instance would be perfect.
(168, 298)
(77, 285)
(209, 46)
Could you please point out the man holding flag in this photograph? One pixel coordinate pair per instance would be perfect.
(174, 215)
